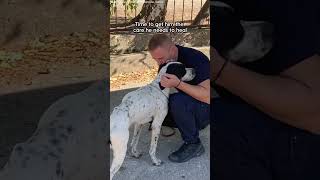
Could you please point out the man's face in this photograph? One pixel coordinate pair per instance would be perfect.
(161, 54)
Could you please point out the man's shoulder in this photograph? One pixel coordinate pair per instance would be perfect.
(187, 49)
(189, 52)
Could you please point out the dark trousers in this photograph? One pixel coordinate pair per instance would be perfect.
(189, 115)
(247, 144)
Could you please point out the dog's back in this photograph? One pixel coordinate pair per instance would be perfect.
(142, 104)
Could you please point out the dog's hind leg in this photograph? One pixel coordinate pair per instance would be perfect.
(119, 143)
(135, 140)
(156, 127)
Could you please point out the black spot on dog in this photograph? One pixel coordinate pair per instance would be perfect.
(62, 113)
(177, 69)
(161, 66)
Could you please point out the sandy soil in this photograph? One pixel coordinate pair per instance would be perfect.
(50, 60)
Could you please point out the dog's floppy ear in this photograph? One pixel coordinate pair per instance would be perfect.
(227, 30)
(177, 69)
(162, 65)
(161, 87)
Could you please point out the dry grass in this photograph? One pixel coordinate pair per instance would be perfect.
(121, 80)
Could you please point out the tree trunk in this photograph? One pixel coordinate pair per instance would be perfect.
(203, 13)
(152, 11)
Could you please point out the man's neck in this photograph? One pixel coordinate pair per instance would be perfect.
(175, 53)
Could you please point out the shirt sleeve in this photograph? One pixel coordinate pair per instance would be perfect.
(202, 67)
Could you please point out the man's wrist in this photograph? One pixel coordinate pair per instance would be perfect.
(178, 84)
(217, 66)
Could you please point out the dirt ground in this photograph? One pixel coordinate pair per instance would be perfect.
(51, 60)
(121, 80)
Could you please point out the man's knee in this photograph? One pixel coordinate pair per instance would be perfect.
(179, 102)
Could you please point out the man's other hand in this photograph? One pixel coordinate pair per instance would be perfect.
(169, 80)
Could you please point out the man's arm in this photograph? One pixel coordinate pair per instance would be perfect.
(293, 97)
(200, 92)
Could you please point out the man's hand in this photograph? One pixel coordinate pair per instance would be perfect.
(200, 92)
(169, 80)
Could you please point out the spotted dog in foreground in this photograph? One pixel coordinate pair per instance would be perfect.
(69, 142)
(148, 103)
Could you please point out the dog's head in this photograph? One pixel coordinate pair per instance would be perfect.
(178, 69)
(236, 40)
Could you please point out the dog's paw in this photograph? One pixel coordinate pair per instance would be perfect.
(157, 163)
(136, 155)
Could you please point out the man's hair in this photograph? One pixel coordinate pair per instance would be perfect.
(158, 40)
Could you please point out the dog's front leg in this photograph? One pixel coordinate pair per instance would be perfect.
(135, 140)
(156, 126)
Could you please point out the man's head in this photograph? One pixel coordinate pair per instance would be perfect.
(161, 48)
